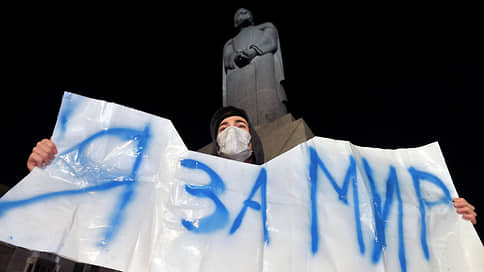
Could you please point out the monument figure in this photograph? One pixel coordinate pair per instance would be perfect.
(253, 70)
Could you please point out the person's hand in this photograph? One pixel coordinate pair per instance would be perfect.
(467, 210)
(42, 154)
(249, 53)
(241, 60)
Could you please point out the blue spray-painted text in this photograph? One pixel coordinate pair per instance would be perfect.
(381, 206)
(102, 178)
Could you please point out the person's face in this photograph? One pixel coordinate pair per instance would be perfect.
(235, 121)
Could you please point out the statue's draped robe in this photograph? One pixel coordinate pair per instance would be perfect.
(256, 87)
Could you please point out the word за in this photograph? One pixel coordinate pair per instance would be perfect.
(219, 219)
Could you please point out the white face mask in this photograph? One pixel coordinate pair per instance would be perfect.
(233, 143)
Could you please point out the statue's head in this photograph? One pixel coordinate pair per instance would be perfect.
(243, 17)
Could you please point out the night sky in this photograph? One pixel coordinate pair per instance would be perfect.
(381, 76)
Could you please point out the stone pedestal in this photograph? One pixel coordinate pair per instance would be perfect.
(3, 189)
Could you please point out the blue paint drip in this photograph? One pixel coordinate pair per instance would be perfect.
(220, 216)
(356, 203)
(313, 181)
(381, 214)
(350, 176)
(446, 199)
(117, 218)
(109, 182)
(401, 242)
(143, 140)
(261, 182)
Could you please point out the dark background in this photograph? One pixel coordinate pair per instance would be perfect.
(380, 76)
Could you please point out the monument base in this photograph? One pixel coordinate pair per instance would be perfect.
(3, 189)
(278, 136)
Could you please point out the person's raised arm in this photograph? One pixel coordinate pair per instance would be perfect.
(42, 154)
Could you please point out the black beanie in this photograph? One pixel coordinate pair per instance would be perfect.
(228, 111)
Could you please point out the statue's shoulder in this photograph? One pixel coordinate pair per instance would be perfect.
(267, 25)
(227, 43)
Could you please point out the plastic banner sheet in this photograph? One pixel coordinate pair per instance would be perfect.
(125, 193)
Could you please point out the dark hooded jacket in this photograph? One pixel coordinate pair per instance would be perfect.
(220, 115)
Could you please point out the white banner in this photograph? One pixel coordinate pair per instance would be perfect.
(125, 193)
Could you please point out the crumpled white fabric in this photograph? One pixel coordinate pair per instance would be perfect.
(125, 193)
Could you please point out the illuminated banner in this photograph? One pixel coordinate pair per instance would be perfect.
(124, 192)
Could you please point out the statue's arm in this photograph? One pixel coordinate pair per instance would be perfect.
(268, 42)
(229, 56)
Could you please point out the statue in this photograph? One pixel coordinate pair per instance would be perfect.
(253, 70)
